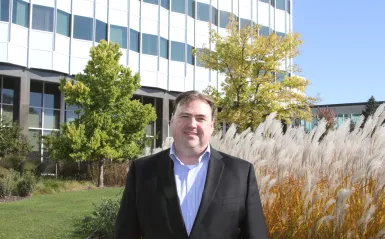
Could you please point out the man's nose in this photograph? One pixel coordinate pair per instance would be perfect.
(192, 122)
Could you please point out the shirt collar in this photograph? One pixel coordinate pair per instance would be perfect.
(206, 154)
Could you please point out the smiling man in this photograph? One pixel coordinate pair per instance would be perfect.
(191, 190)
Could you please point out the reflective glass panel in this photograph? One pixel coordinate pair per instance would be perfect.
(51, 119)
(4, 10)
(288, 6)
(151, 1)
(36, 94)
(7, 112)
(51, 96)
(264, 31)
(281, 4)
(101, 31)
(34, 118)
(149, 44)
(224, 19)
(245, 22)
(63, 23)
(214, 16)
(266, 1)
(42, 18)
(165, 3)
(190, 57)
(178, 6)
(118, 34)
(20, 13)
(134, 40)
(163, 48)
(191, 8)
(83, 28)
(8, 91)
(177, 51)
(203, 11)
(34, 138)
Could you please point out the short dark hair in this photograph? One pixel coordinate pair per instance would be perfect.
(189, 96)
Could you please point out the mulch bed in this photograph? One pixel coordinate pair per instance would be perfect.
(11, 199)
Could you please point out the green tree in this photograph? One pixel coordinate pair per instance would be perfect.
(252, 64)
(12, 141)
(110, 124)
(370, 108)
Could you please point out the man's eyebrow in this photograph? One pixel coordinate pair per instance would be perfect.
(198, 115)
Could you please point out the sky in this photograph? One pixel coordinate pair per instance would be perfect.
(343, 50)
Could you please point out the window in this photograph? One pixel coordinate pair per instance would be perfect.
(272, 2)
(281, 4)
(191, 8)
(165, 3)
(134, 40)
(42, 18)
(190, 57)
(281, 34)
(214, 15)
(203, 12)
(264, 31)
(101, 31)
(149, 44)
(4, 10)
(20, 14)
(83, 28)
(36, 94)
(288, 6)
(266, 1)
(198, 62)
(119, 35)
(151, 1)
(177, 51)
(51, 96)
(163, 48)
(178, 6)
(7, 98)
(63, 23)
(224, 19)
(245, 22)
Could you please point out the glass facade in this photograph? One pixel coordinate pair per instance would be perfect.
(134, 40)
(190, 56)
(101, 31)
(178, 6)
(163, 48)
(4, 10)
(151, 1)
(244, 22)
(118, 34)
(177, 51)
(203, 12)
(214, 16)
(83, 28)
(42, 18)
(281, 4)
(20, 13)
(191, 8)
(224, 19)
(149, 44)
(165, 3)
(264, 31)
(7, 98)
(63, 23)
(44, 112)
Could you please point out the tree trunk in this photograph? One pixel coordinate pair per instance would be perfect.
(101, 173)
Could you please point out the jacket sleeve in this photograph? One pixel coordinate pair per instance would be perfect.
(254, 226)
(127, 225)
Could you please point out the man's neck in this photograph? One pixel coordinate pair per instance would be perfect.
(189, 157)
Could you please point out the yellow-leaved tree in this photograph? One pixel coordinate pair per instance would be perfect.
(256, 83)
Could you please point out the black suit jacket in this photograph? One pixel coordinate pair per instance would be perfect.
(230, 207)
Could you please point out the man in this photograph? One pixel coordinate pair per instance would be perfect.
(191, 190)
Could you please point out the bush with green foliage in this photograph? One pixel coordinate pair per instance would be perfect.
(8, 183)
(12, 141)
(26, 185)
(101, 224)
(19, 164)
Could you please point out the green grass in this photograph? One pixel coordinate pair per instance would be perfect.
(49, 216)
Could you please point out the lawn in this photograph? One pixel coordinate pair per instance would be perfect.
(49, 216)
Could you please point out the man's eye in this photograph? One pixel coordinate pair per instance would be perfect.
(201, 119)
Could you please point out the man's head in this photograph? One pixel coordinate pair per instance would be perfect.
(192, 122)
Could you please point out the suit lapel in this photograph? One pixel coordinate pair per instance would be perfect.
(214, 174)
(166, 174)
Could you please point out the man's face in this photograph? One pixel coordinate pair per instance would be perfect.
(192, 126)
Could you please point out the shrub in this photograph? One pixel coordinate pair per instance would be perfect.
(114, 173)
(101, 224)
(8, 183)
(26, 185)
